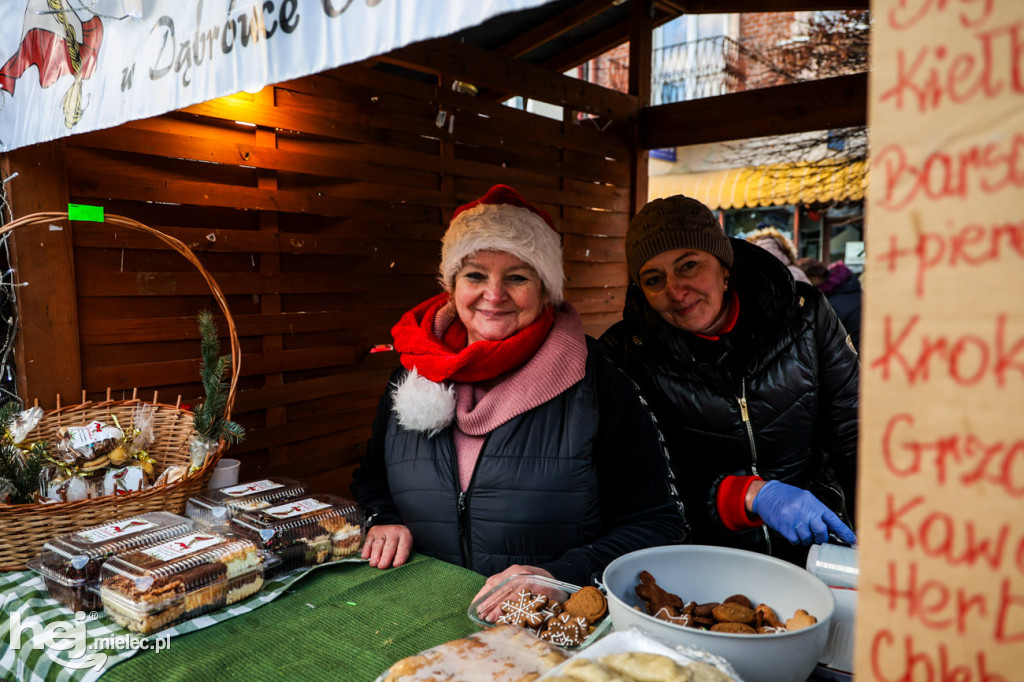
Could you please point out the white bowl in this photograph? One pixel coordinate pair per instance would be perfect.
(704, 573)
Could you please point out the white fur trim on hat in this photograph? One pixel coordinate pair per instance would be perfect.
(423, 405)
(512, 229)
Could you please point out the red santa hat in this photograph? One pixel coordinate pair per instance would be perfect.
(502, 220)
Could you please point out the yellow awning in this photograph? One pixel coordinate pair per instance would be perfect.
(765, 185)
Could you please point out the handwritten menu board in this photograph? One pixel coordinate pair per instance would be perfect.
(941, 512)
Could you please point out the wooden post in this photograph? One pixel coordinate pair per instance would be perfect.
(270, 265)
(641, 26)
(47, 352)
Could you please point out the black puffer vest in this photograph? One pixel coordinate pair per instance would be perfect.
(535, 487)
(777, 398)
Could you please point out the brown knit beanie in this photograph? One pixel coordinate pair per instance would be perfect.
(676, 222)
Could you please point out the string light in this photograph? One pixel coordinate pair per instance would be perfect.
(9, 318)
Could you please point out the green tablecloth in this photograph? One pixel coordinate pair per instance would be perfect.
(339, 623)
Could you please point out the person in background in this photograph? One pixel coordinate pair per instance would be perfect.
(750, 378)
(842, 289)
(508, 442)
(779, 245)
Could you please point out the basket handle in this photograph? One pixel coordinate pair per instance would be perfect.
(180, 247)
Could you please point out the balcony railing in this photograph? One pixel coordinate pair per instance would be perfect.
(695, 69)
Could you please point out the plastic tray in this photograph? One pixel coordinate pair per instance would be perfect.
(154, 587)
(70, 563)
(216, 508)
(557, 590)
(305, 532)
(631, 640)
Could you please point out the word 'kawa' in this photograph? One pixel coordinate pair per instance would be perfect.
(938, 535)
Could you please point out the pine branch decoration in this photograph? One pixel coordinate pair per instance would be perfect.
(208, 417)
(20, 469)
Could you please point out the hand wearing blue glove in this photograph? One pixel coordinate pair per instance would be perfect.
(798, 515)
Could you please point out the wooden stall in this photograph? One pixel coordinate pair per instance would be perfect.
(318, 204)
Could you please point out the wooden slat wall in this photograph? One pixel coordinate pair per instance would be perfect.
(318, 205)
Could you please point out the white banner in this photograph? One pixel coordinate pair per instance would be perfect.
(71, 66)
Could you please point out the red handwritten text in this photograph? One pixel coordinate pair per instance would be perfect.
(987, 169)
(972, 245)
(906, 13)
(931, 76)
(890, 664)
(962, 459)
(967, 359)
(937, 535)
(935, 605)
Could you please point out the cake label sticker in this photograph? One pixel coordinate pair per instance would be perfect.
(115, 530)
(82, 437)
(183, 546)
(250, 488)
(291, 509)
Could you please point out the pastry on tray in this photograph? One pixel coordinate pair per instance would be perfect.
(148, 589)
(304, 532)
(216, 507)
(70, 563)
(504, 653)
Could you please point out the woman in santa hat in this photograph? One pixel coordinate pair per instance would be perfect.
(508, 442)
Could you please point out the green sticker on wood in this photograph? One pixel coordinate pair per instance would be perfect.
(85, 212)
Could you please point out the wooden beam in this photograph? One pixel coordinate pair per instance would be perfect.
(504, 74)
(588, 49)
(595, 46)
(553, 27)
(46, 352)
(640, 39)
(838, 102)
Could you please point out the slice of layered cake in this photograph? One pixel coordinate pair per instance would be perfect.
(152, 588)
(304, 532)
(70, 563)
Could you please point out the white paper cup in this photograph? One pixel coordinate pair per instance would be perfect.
(225, 474)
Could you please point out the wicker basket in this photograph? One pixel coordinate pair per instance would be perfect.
(25, 527)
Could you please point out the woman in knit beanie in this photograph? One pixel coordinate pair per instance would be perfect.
(508, 442)
(751, 379)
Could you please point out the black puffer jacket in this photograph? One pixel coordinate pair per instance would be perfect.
(567, 486)
(787, 359)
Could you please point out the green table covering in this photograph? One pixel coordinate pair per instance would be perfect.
(339, 623)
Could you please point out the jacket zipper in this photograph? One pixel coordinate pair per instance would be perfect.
(745, 415)
(467, 556)
(462, 502)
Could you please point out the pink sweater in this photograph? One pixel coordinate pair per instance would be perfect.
(559, 363)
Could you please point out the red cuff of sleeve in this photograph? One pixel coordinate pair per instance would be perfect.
(732, 505)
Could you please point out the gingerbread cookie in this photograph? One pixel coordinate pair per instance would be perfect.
(566, 630)
(728, 612)
(524, 609)
(655, 597)
(801, 619)
(587, 603)
(741, 599)
(764, 617)
(734, 628)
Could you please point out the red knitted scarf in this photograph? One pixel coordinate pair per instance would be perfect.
(450, 358)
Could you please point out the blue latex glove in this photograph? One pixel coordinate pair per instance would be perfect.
(798, 514)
